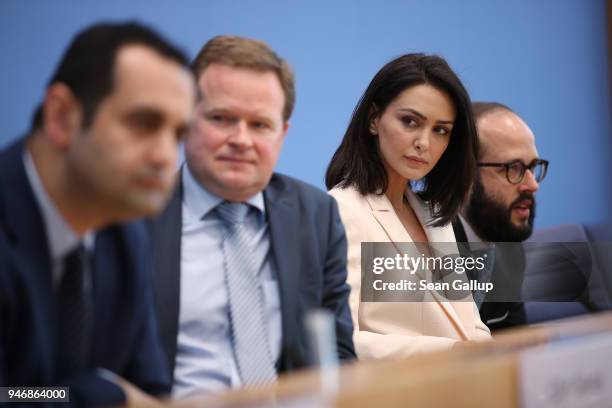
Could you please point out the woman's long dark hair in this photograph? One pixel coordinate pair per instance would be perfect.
(357, 161)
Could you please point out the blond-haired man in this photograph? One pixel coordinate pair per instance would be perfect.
(244, 253)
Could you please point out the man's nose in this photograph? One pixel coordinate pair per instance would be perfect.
(529, 184)
(164, 152)
(240, 136)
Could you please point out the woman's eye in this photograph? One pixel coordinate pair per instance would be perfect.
(442, 131)
(409, 121)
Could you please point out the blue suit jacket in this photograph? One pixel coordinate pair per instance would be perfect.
(308, 250)
(124, 338)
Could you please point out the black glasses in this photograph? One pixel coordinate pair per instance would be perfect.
(515, 170)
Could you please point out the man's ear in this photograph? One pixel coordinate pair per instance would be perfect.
(62, 115)
(285, 128)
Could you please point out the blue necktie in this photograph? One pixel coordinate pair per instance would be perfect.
(246, 299)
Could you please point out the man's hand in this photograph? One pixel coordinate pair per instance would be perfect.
(137, 398)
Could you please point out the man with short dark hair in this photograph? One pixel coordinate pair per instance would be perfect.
(76, 305)
(501, 206)
(242, 254)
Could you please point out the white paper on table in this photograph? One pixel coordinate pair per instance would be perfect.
(570, 373)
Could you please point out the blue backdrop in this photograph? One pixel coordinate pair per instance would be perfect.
(547, 59)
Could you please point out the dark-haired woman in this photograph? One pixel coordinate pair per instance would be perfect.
(413, 125)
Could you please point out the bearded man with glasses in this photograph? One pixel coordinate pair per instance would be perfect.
(501, 207)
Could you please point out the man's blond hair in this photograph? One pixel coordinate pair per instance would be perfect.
(247, 53)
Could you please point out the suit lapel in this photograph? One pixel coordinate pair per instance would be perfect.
(281, 203)
(25, 227)
(438, 234)
(387, 218)
(460, 234)
(166, 246)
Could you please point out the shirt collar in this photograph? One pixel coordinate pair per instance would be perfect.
(198, 201)
(61, 239)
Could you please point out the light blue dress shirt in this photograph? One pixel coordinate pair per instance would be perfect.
(61, 239)
(205, 361)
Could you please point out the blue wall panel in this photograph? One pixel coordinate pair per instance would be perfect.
(547, 59)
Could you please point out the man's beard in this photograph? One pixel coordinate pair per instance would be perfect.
(491, 220)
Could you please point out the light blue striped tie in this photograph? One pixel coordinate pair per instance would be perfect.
(249, 334)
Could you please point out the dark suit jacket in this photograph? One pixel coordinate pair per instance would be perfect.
(494, 313)
(308, 250)
(124, 332)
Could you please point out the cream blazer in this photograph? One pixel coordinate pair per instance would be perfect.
(398, 329)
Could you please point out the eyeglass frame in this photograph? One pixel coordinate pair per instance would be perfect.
(524, 168)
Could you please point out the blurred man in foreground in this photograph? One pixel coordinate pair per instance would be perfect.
(75, 298)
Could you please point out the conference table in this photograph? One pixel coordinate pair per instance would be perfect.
(553, 364)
